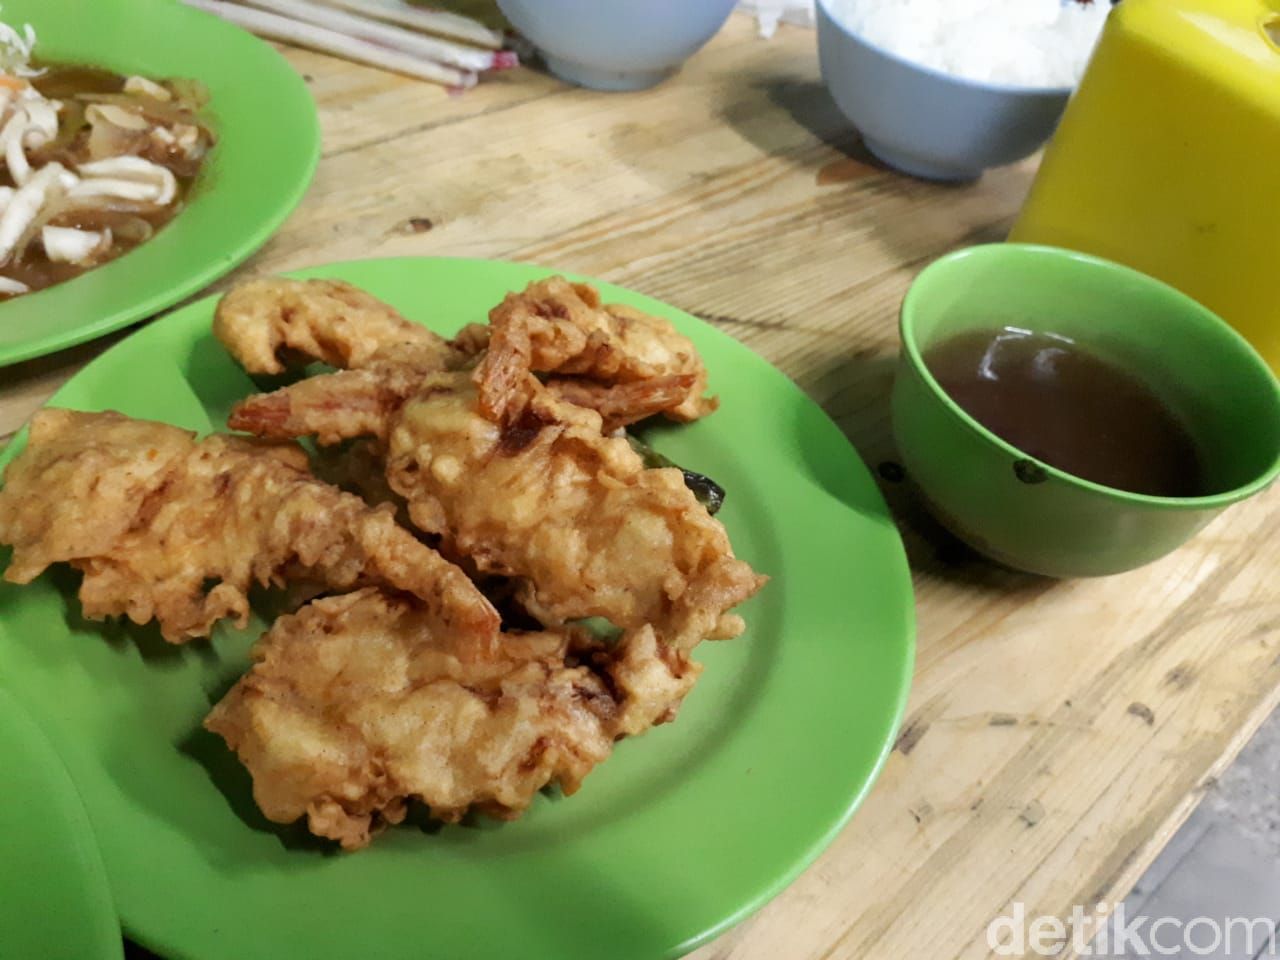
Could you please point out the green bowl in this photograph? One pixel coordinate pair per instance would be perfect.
(1035, 517)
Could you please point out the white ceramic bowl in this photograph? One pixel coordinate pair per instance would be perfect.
(925, 122)
(616, 44)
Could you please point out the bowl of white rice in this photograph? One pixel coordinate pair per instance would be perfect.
(944, 89)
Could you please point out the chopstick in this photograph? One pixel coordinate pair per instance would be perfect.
(440, 22)
(383, 34)
(363, 41)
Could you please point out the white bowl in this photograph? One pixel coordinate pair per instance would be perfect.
(616, 44)
(925, 122)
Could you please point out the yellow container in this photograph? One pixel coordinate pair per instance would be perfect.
(1168, 157)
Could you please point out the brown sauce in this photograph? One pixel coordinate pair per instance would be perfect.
(63, 82)
(71, 84)
(1066, 407)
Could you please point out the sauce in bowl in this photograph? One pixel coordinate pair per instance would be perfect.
(1069, 408)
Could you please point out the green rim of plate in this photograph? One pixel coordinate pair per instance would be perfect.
(683, 832)
(267, 150)
(58, 905)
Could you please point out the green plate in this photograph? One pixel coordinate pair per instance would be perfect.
(683, 832)
(56, 904)
(268, 145)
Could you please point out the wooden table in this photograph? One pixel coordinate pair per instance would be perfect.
(1057, 732)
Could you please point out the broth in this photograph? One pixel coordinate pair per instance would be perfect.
(1069, 408)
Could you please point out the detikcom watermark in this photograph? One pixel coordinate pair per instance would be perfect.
(1103, 933)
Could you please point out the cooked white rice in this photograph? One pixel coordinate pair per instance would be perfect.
(1033, 43)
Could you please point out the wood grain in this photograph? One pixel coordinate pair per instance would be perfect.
(1057, 732)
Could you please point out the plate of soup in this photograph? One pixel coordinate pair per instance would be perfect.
(145, 149)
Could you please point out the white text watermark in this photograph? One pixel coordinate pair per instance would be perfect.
(1103, 933)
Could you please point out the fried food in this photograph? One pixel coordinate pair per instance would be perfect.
(572, 515)
(266, 323)
(359, 703)
(649, 680)
(622, 404)
(501, 452)
(622, 363)
(169, 528)
(503, 446)
(472, 340)
(560, 328)
(335, 407)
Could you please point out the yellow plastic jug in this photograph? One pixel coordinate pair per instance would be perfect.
(1168, 157)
